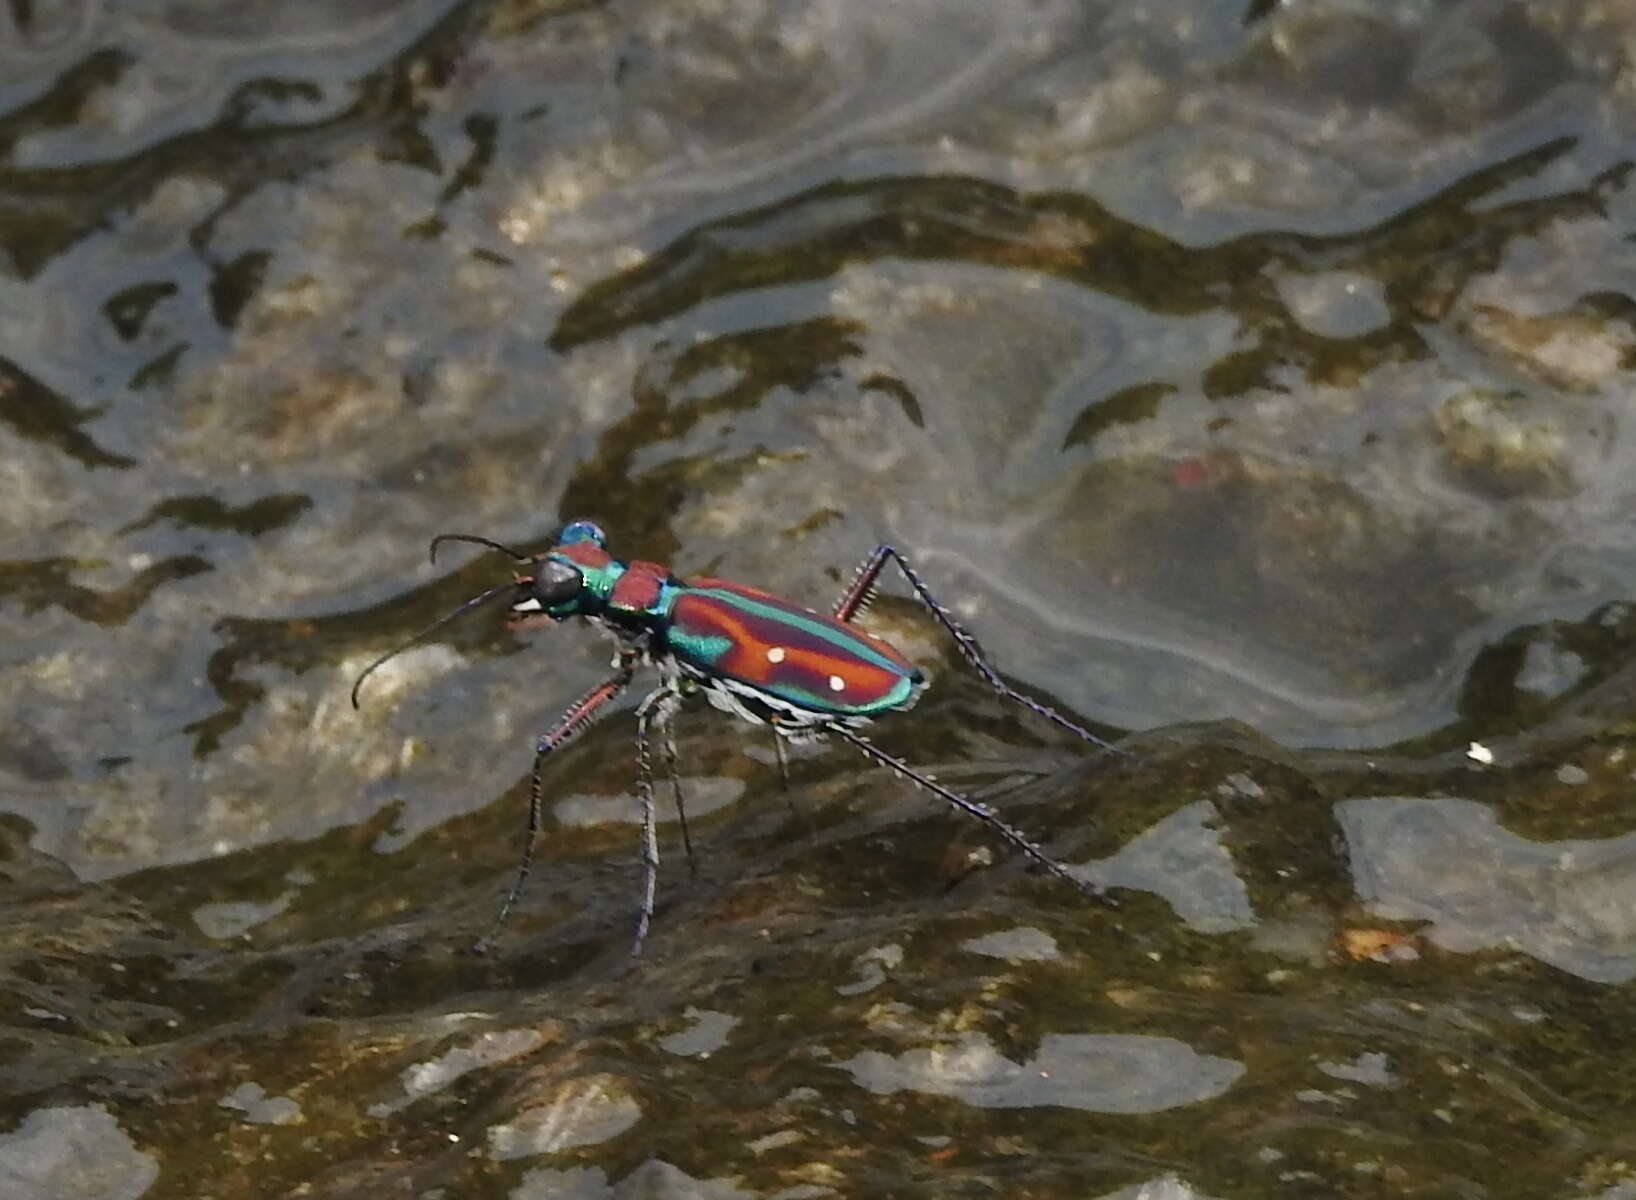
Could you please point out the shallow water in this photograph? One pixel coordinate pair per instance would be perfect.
(1253, 378)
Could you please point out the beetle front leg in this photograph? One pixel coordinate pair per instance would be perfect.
(573, 722)
(856, 599)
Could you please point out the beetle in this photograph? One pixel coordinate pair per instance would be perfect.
(762, 658)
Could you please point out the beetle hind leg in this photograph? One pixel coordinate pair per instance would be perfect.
(860, 593)
(982, 812)
(856, 599)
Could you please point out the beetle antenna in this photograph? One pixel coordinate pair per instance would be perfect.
(430, 629)
(475, 540)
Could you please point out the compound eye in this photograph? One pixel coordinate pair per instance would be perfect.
(555, 582)
(582, 531)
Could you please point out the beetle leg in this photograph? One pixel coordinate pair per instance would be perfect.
(580, 715)
(861, 590)
(783, 763)
(667, 730)
(784, 772)
(856, 598)
(659, 698)
(972, 808)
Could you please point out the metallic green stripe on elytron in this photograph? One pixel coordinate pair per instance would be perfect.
(702, 649)
(843, 642)
(896, 698)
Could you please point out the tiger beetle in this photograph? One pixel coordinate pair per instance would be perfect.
(752, 654)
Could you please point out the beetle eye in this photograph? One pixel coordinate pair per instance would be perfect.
(556, 581)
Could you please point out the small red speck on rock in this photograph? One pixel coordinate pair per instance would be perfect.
(1189, 472)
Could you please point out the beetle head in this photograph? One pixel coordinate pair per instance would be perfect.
(552, 590)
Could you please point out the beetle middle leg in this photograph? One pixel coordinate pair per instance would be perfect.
(665, 719)
(782, 756)
(783, 761)
(652, 708)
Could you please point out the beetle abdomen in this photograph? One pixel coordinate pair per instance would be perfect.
(813, 662)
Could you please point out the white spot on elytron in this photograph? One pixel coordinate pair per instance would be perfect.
(837, 684)
(775, 654)
(529, 605)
